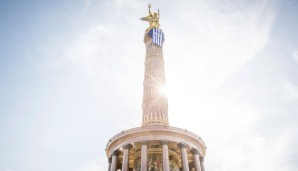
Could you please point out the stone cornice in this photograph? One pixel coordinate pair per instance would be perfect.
(158, 133)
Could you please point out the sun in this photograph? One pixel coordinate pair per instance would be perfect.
(164, 90)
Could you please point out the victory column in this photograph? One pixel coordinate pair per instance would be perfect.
(155, 146)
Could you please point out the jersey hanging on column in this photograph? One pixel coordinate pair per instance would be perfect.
(157, 36)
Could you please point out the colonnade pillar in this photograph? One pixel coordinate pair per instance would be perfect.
(202, 163)
(125, 161)
(144, 156)
(114, 160)
(184, 156)
(196, 158)
(110, 163)
(165, 156)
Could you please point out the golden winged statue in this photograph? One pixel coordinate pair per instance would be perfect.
(153, 19)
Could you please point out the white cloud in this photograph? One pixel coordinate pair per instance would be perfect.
(290, 90)
(295, 55)
(98, 165)
(89, 46)
(118, 5)
(215, 43)
(229, 129)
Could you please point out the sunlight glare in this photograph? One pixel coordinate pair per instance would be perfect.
(164, 90)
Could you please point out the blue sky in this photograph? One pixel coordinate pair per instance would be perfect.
(71, 77)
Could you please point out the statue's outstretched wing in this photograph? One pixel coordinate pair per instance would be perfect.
(144, 18)
(148, 18)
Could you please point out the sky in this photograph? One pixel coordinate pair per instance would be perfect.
(71, 75)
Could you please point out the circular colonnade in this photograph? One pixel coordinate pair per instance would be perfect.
(156, 148)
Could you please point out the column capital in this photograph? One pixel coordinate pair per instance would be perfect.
(195, 151)
(182, 145)
(115, 153)
(164, 142)
(127, 146)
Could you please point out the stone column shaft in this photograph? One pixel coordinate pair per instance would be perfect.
(125, 161)
(165, 156)
(184, 156)
(196, 157)
(114, 160)
(110, 163)
(202, 163)
(144, 157)
(155, 103)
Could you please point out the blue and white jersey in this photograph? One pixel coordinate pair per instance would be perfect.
(157, 36)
